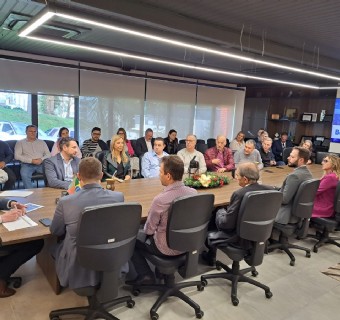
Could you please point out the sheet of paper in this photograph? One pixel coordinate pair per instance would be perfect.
(31, 207)
(15, 193)
(22, 222)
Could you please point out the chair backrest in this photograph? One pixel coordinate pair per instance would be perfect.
(285, 154)
(12, 144)
(100, 156)
(257, 214)
(320, 155)
(106, 235)
(202, 147)
(133, 143)
(50, 144)
(211, 142)
(200, 141)
(304, 199)
(108, 142)
(337, 199)
(181, 141)
(256, 219)
(187, 226)
(181, 146)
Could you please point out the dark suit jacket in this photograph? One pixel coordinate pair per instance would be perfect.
(277, 148)
(289, 189)
(227, 220)
(55, 172)
(141, 147)
(65, 223)
(4, 203)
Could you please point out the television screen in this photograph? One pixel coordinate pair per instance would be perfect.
(335, 135)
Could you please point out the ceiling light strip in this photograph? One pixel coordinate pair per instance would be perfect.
(167, 62)
(48, 15)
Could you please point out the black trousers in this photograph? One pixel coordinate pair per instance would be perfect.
(17, 255)
(9, 185)
(138, 259)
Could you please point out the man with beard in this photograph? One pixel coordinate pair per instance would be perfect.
(61, 168)
(298, 159)
(91, 146)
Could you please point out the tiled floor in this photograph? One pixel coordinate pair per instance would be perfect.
(299, 292)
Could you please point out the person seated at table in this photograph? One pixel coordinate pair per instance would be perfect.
(280, 145)
(144, 144)
(151, 160)
(31, 152)
(307, 144)
(264, 135)
(14, 255)
(219, 158)
(266, 154)
(189, 154)
(116, 161)
(238, 143)
(324, 200)
(63, 133)
(153, 238)
(127, 143)
(171, 142)
(61, 168)
(248, 154)
(91, 146)
(247, 175)
(6, 156)
(65, 221)
(297, 160)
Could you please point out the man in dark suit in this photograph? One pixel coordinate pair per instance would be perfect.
(65, 223)
(247, 174)
(15, 255)
(61, 168)
(144, 144)
(280, 145)
(298, 159)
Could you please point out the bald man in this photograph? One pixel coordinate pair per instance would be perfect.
(219, 158)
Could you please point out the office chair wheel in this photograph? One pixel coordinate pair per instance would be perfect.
(17, 283)
(55, 318)
(315, 249)
(204, 282)
(200, 287)
(254, 273)
(292, 263)
(234, 301)
(218, 265)
(136, 292)
(199, 314)
(130, 304)
(269, 294)
(154, 315)
(308, 255)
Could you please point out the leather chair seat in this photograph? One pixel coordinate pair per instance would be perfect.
(167, 265)
(287, 229)
(234, 253)
(328, 223)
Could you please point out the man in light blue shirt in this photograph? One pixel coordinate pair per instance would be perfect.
(152, 159)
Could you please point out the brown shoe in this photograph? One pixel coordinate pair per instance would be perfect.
(4, 290)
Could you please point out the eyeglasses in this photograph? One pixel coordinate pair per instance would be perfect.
(189, 140)
(325, 160)
(96, 134)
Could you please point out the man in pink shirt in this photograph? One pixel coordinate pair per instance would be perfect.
(153, 239)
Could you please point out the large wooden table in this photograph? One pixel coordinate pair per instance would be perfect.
(138, 190)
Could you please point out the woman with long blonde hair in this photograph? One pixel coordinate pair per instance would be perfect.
(116, 161)
(324, 200)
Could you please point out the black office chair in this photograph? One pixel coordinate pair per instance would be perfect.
(182, 141)
(186, 232)
(254, 226)
(200, 141)
(202, 147)
(327, 225)
(285, 154)
(104, 245)
(211, 142)
(302, 208)
(50, 144)
(320, 155)
(108, 143)
(181, 146)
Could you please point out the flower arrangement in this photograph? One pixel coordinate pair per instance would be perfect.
(207, 180)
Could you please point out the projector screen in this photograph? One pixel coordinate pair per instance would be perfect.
(335, 135)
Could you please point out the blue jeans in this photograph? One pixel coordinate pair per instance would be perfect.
(27, 171)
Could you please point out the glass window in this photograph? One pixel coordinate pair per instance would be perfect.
(15, 115)
(55, 112)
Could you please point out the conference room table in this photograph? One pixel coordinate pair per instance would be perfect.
(136, 190)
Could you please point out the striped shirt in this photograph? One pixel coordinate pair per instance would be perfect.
(157, 221)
